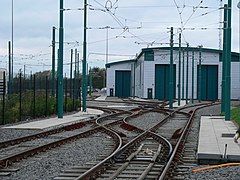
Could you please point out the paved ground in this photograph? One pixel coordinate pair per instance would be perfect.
(216, 140)
(50, 122)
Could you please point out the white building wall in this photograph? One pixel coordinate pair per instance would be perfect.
(208, 58)
(145, 73)
(149, 78)
(111, 75)
(235, 80)
(139, 77)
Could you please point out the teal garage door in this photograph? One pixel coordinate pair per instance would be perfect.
(162, 74)
(209, 82)
(122, 84)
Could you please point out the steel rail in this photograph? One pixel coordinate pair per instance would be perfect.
(114, 156)
(184, 132)
(11, 142)
(5, 161)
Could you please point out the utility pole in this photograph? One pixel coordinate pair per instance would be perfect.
(9, 69)
(228, 64)
(183, 73)
(53, 61)
(192, 76)
(200, 75)
(12, 39)
(171, 88)
(71, 68)
(179, 70)
(105, 74)
(90, 81)
(187, 75)
(84, 64)
(60, 64)
(224, 58)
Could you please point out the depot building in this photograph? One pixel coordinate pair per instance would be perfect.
(147, 76)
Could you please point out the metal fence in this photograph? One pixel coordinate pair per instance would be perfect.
(33, 97)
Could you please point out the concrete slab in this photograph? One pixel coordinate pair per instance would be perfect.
(213, 144)
(47, 123)
(101, 98)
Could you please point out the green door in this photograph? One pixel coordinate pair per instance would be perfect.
(160, 82)
(209, 82)
(122, 84)
(212, 92)
(162, 75)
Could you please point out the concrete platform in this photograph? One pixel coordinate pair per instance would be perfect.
(175, 104)
(101, 98)
(216, 134)
(47, 123)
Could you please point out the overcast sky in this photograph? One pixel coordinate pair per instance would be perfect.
(147, 22)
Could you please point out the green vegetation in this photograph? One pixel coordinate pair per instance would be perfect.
(12, 106)
(235, 113)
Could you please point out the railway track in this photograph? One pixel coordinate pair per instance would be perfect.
(23, 147)
(183, 156)
(124, 163)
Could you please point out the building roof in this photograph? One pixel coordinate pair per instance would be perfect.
(168, 48)
(120, 62)
(189, 48)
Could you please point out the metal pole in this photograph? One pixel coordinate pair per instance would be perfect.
(104, 75)
(171, 89)
(187, 75)
(192, 76)
(228, 65)
(183, 73)
(75, 75)
(20, 96)
(9, 69)
(84, 66)
(74, 92)
(71, 68)
(179, 70)
(65, 106)
(53, 61)
(34, 96)
(224, 58)
(3, 100)
(90, 81)
(12, 38)
(46, 96)
(60, 64)
(200, 75)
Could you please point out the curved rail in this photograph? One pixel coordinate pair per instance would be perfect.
(186, 129)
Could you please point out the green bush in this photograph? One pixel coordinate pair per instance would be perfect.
(12, 106)
(235, 113)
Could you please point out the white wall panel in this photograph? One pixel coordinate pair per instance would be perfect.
(111, 74)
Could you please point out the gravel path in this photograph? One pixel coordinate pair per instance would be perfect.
(49, 164)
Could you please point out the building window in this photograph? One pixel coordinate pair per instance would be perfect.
(149, 56)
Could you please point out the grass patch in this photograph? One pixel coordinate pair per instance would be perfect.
(235, 113)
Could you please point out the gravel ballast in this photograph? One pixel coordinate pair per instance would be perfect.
(147, 120)
(49, 164)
